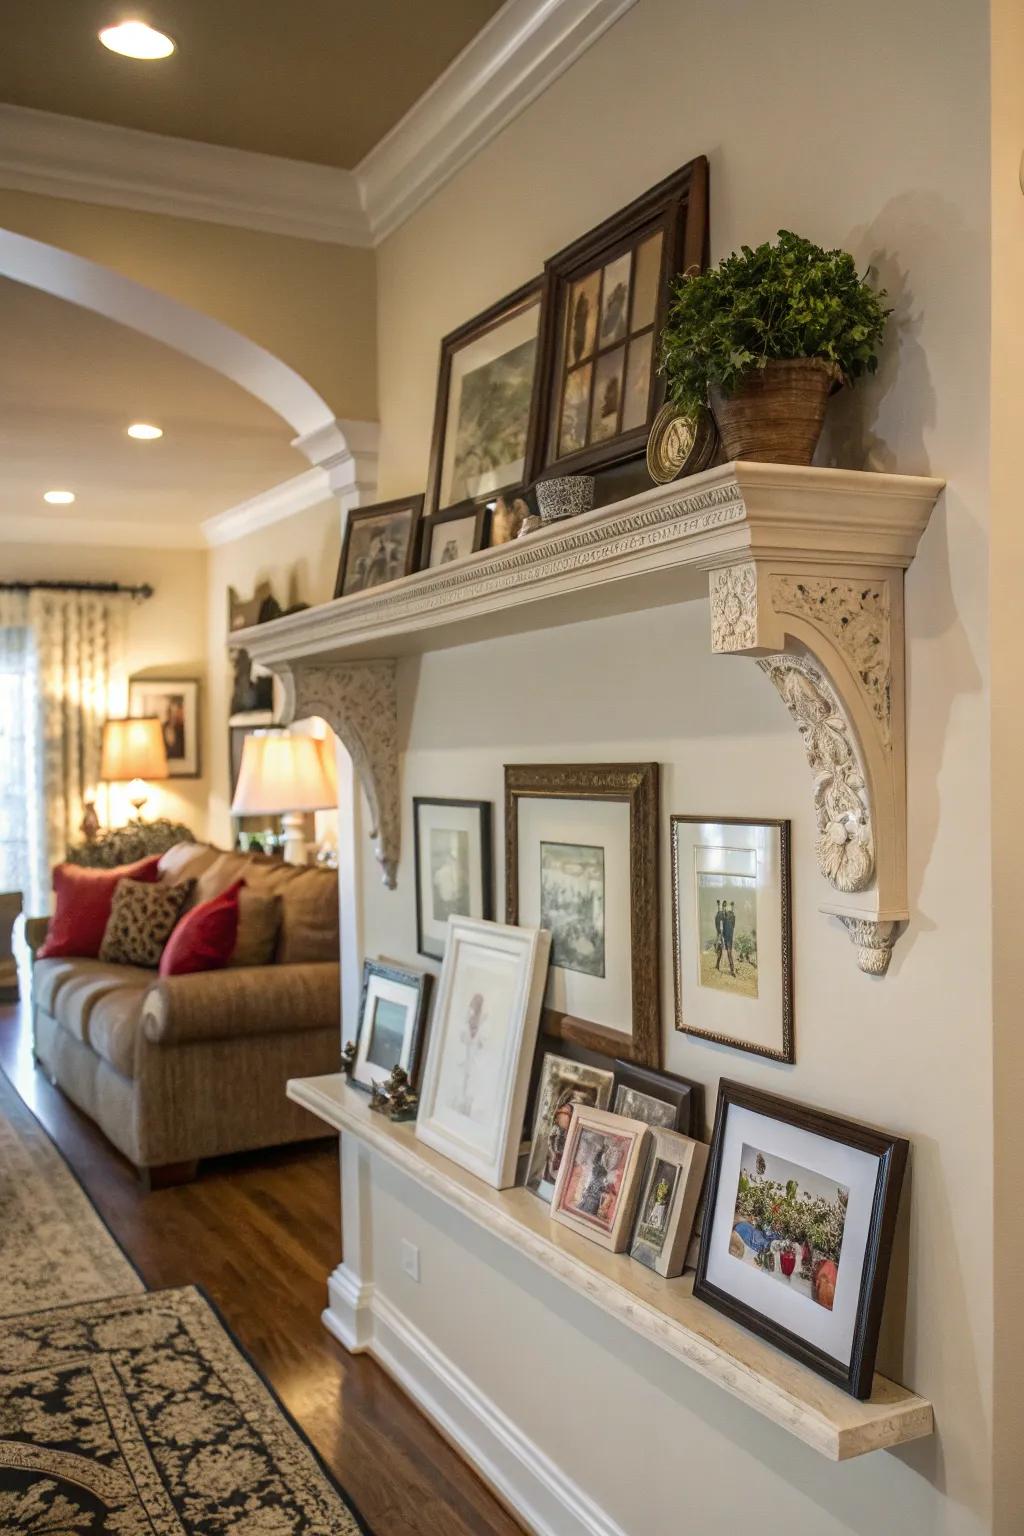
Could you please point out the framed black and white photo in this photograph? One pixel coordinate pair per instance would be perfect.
(732, 932)
(658, 1098)
(454, 867)
(668, 1202)
(175, 703)
(562, 1085)
(452, 535)
(392, 1022)
(381, 544)
(798, 1227)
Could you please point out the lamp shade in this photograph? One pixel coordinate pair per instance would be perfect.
(281, 773)
(133, 749)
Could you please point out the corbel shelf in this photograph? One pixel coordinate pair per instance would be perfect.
(662, 1311)
(805, 572)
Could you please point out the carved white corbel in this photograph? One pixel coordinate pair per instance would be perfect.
(358, 699)
(832, 646)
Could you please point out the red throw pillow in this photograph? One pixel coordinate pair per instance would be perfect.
(204, 939)
(84, 897)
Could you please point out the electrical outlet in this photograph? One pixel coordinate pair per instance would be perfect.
(411, 1259)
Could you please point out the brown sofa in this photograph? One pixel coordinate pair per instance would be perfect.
(188, 1067)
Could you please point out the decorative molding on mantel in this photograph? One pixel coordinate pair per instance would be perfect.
(806, 577)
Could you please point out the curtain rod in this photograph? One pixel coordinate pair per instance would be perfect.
(141, 592)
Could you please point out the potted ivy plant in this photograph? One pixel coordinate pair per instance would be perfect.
(764, 338)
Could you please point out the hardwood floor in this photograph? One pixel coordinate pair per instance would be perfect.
(260, 1233)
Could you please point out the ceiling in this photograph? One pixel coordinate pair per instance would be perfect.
(71, 381)
(317, 80)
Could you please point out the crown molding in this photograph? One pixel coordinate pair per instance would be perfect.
(524, 47)
(110, 532)
(271, 506)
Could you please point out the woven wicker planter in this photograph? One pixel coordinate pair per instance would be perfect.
(776, 413)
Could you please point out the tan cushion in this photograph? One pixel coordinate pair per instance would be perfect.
(309, 909)
(186, 861)
(113, 1025)
(224, 871)
(71, 990)
(259, 922)
(141, 919)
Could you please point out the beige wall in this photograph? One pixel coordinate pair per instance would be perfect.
(166, 638)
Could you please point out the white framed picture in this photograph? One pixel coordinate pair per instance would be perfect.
(175, 703)
(477, 1072)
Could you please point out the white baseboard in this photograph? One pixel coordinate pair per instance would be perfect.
(544, 1498)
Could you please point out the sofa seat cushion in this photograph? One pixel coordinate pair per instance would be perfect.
(114, 1022)
(71, 990)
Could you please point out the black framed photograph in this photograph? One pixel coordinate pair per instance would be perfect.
(486, 413)
(392, 1022)
(454, 867)
(658, 1098)
(799, 1219)
(732, 923)
(605, 300)
(174, 701)
(452, 534)
(381, 544)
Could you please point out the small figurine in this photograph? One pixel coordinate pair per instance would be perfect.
(90, 823)
(379, 1099)
(506, 520)
(529, 524)
(404, 1103)
(348, 1058)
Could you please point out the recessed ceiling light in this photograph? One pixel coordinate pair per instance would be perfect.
(145, 431)
(136, 40)
(59, 498)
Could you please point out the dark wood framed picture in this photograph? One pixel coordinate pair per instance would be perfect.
(174, 701)
(454, 867)
(485, 420)
(381, 544)
(658, 1098)
(453, 534)
(732, 932)
(392, 1022)
(581, 860)
(799, 1218)
(605, 300)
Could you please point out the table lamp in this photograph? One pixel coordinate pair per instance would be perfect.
(287, 776)
(133, 751)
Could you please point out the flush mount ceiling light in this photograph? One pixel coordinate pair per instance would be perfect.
(145, 431)
(136, 40)
(59, 498)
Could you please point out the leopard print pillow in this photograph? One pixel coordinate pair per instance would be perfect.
(141, 919)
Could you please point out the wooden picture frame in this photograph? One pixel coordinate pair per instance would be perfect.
(635, 785)
(475, 818)
(779, 1169)
(465, 512)
(398, 520)
(174, 701)
(683, 1100)
(589, 1180)
(513, 314)
(388, 985)
(664, 1217)
(561, 1084)
(602, 297)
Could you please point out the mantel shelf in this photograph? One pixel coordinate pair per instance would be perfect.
(662, 1311)
(805, 571)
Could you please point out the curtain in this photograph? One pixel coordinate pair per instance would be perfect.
(23, 865)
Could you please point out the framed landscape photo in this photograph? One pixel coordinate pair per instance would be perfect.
(581, 860)
(668, 1202)
(798, 1226)
(599, 1176)
(381, 544)
(451, 535)
(454, 868)
(658, 1098)
(175, 703)
(486, 412)
(392, 1022)
(732, 932)
(563, 1085)
(476, 1078)
(605, 301)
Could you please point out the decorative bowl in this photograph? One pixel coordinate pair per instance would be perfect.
(565, 496)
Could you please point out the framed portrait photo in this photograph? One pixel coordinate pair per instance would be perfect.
(581, 861)
(732, 932)
(658, 1098)
(454, 868)
(605, 301)
(599, 1176)
(392, 1022)
(563, 1085)
(485, 417)
(797, 1235)
(175, 703)
(381, 543)
(476, 1078)
(452, 535)
(668, 1202)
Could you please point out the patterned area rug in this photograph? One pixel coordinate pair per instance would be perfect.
(125, 1412)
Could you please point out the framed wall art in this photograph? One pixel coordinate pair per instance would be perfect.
(599, 1176)
(381, 544)
(477, 1071)
(392, 1022)
(562, 1085)
(486, 413)
(581, 860)
(658, 1098)
(453, 534)
(605, 301)
(732, 932)
(454, 869)
(175, 703)
(668, 1202)
(798, 1227)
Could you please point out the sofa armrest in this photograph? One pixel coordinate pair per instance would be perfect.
(240, 1002)
(36, 929)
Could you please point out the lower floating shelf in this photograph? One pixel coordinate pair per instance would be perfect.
(662, 1311)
